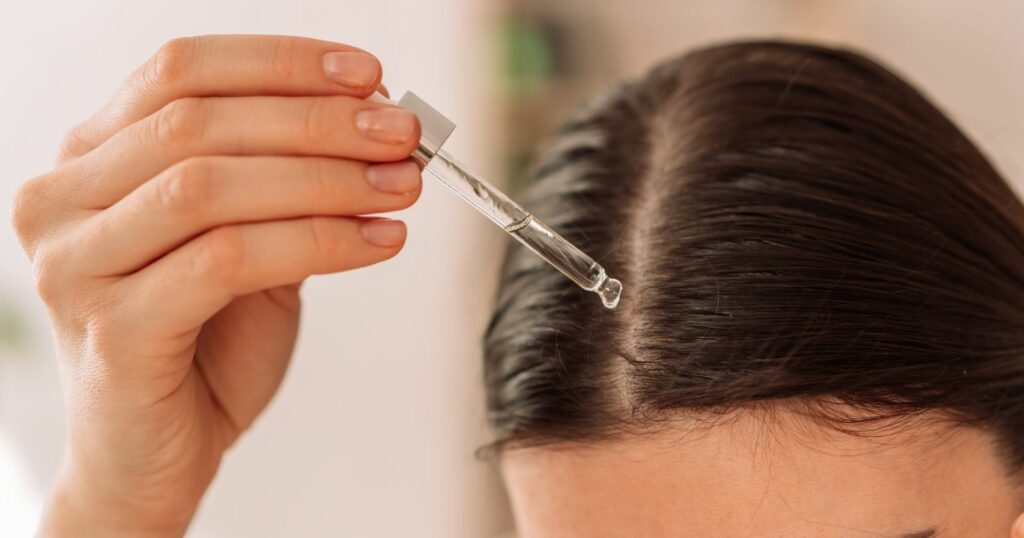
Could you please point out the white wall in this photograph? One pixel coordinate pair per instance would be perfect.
(965, 55)
(374, 430)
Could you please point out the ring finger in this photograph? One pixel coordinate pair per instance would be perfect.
(202, 193)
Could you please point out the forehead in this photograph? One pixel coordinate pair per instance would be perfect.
(745, 477)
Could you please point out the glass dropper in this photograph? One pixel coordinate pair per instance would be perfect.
(487, 199)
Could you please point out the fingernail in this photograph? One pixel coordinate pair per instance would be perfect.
(395, 178)
(391, 125)
(384, 232)
(356, 70)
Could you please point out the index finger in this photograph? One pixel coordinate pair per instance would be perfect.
(228, 65)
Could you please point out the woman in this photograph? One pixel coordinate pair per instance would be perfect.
(822, 331)
(822, 328)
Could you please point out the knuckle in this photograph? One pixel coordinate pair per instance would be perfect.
(186, 186)
(322, 235)
(181, 120)
(321, 120)
(171, 61)
(74, 142)
(25, 209)
(282, 59)
(25, 199)
(323, 186)
(221, 254)
(49, 280)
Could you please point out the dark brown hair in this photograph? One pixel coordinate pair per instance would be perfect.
(791, 223)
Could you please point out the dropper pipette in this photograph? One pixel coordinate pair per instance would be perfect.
(498, 207)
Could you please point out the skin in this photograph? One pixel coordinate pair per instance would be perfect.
(751, 477)
(169, 243)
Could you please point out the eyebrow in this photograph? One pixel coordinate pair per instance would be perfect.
(927, 533)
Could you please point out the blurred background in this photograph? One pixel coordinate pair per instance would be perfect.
(375, 428)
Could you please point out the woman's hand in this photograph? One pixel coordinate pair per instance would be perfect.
(169, 244)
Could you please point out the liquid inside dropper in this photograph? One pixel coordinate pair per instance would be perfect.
(547, 244)
(527, 229)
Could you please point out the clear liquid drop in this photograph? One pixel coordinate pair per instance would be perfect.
(610, 293)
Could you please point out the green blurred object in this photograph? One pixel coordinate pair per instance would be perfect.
(13, 329)
(529, 59)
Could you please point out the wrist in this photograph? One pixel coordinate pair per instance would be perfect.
(75, 508)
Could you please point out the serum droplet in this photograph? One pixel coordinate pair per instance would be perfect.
(610, 293)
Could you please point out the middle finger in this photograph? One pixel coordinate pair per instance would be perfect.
(335, 126)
